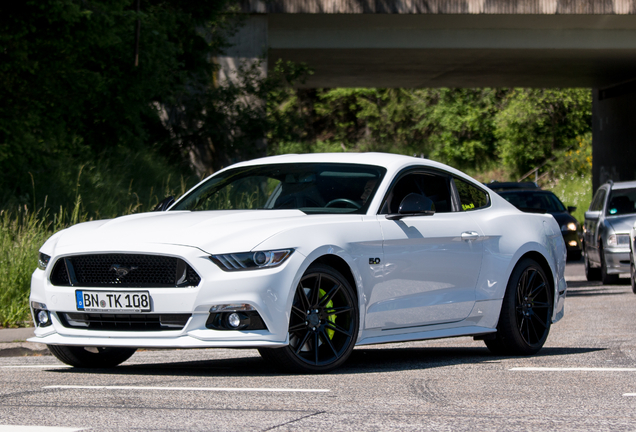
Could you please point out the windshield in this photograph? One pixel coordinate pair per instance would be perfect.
(621, 201)
(309, 187)
(531, 200)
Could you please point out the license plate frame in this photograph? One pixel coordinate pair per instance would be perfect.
(113, 301)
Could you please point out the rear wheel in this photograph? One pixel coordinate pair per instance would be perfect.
(633, 277)
(323, 324)
(526, 312)
(91, 357)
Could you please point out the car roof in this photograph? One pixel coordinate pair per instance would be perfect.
(504, 186)
(623, 185)
(390, 161)
(534, 191)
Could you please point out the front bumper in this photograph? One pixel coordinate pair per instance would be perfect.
(617, 260)
(266, 290)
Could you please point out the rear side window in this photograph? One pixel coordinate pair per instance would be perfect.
(471, 197)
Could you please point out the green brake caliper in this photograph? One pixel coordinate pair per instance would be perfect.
(332, 318)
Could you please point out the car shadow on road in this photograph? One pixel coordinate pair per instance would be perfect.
(584, 288)
(362, 361)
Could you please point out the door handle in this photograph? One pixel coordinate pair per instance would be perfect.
(470, 235)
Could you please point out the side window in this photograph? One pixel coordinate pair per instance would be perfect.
(435, 187)
(471, 197)
(598, 200)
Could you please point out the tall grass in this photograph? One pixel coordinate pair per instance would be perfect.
(106, 188)
(21, 235)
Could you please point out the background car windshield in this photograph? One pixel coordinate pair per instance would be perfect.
(621, 201)
(534, 200)
(309, 187)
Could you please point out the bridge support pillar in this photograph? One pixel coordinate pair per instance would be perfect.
(614, 134)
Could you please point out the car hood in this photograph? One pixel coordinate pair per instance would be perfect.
(621, 224)
(211, 231)
(564, 218)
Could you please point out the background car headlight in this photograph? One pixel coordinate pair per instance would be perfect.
(614, 240)
(251, 260)
(569, 227)
(43, 261)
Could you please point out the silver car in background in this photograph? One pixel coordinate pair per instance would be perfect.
(607, 227)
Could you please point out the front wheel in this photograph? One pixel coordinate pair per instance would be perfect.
(91, 357)
(632, 272)
(526, 312)
(323, 324)
(591, 274)
(606, 279)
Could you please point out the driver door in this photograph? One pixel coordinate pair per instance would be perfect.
(431, 262)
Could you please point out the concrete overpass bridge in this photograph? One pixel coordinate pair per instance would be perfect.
(464, 43)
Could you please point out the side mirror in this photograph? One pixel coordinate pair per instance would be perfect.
(414, 205)
(164, 204)
(592, 215)
(571, 209)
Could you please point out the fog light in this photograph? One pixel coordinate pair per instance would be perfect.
(234, 320)
(43, 318)
(572, 243)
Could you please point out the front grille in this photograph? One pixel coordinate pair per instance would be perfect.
(123, 322)
(123, 270)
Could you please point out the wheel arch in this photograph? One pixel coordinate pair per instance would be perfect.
(543, 262)
(339, 264)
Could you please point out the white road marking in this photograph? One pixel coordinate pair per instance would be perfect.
(14, 428)
(211, 389)
(572, 369)
(36, 366)
(629, 394)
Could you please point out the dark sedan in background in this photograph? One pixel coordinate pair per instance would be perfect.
(528, 197)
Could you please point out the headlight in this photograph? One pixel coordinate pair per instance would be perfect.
(43, 261)
(569, 227)
(615, 240)
(251, 260)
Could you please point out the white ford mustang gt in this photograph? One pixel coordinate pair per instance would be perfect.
(304, 257)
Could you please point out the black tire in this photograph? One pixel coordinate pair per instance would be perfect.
(526, 312)
(591, 274)
(633, 277)
(606, 279)
(97, 357)
(574, 255)
(318, 341)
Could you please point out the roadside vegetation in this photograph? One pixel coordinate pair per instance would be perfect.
(87, 132)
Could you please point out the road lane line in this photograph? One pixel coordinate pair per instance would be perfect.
(210, 389)
(572, 369)
(35, 366)
(17, 428)
(629, 394)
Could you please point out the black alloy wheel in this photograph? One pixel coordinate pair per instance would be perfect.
(323, 324)
(526, 312)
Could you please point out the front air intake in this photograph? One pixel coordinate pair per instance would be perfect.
(124, 271)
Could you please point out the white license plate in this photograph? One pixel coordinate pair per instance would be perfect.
(112, 301)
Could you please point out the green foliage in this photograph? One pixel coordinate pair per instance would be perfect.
(572, 182)
(472, 129)
(69, 89)
(534, 124)
(21, 235)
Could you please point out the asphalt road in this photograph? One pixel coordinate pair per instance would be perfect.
(584, 379)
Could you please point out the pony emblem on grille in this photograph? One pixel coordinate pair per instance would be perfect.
(121, 271)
